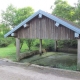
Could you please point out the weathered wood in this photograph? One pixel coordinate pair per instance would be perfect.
(40, 50)
(45, 28)
(55, 45)
(78, 55)
(18, 49)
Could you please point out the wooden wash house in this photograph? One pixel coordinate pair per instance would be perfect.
(42, 25)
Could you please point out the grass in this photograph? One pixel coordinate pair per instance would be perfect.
(52, 59)
(10, 51)
(55, 59)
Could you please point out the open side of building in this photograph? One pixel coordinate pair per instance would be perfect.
(42, 25)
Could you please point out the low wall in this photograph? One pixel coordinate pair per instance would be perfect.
(28, 54)
(69, 50)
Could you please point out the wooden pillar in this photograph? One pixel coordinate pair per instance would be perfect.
(78, 55)
(18, 49)
(40, 50)
(55, 45)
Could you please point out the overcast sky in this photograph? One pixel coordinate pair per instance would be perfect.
(35, 4)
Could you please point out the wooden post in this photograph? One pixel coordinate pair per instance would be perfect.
(78, 55)
(40, 50)
(55, 46)
(18, 49)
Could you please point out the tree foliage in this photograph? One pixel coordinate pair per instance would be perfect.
(29, 43)
(22, 14)
(3, 30)
(64, 10)
(12, 16)
(8, 16)
(77, 12)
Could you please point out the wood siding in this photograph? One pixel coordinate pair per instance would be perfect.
(45, 28)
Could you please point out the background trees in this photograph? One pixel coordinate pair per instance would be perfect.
(64, 10)
(12, 17)
(8, 16)
(22, 14)
(77, 12)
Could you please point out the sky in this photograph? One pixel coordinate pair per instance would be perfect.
(35, 4)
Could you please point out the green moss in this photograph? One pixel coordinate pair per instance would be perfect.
(55, 59)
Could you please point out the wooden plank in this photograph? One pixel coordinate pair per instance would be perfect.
(66, 34)
(40, 49)
(51, 29)
(39, 29)
(63, 33)
(30, 29)
(55, 45)
(36, 28)
(54, 30)
(59, 32)
(47, 28)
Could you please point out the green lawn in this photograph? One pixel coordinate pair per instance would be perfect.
(10, 52)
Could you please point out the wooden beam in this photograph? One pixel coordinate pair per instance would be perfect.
(18, 49)
(40, 50)
(55, 45)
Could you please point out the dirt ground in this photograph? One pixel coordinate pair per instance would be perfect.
(15, 71)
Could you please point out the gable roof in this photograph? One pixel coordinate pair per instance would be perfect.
(52, 17)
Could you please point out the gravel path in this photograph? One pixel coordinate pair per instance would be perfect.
(18, 73)
(9, 71)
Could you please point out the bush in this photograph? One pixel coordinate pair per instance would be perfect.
(50, 47)
(46, 44)
(5, 42)
(67, 44)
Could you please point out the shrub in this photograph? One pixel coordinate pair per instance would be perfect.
(67, 43)
(46, 44)
(50, 47)
(5, 42)
(29, 43)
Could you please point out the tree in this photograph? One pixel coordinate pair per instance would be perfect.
(29, 43)
(77, 12)
(12, 16)
(3, 30)
(22, 14)
(8, 16)
(64, 10)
